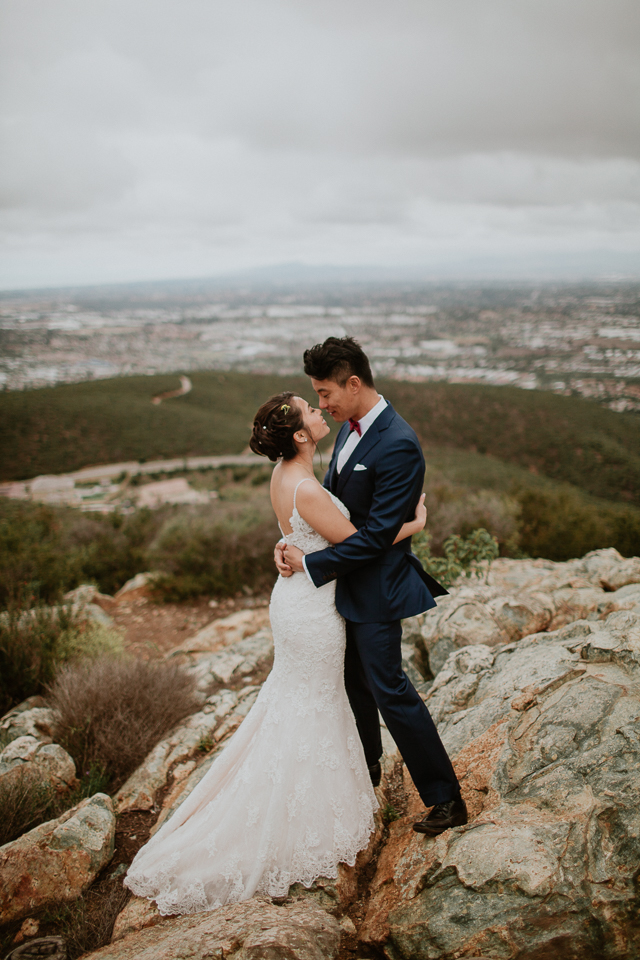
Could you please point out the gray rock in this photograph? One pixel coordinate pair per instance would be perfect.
(249, 930)
(519, 598)
(53, 948)
(31, 718)
(239, 659)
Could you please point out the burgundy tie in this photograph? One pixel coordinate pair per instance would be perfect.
(355, 425)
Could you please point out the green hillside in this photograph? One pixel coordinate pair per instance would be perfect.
(565, 438)
(66, 427)
(62, 428)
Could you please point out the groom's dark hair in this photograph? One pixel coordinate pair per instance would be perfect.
(338, 358)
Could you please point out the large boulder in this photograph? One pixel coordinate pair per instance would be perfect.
(86, 594)
(48, 762)
(140, 586)
(545, 736)
(249, 930)
(56, 861)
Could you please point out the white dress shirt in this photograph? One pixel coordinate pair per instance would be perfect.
(354, 437)
(352, 442)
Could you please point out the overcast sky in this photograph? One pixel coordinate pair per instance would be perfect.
(176, 138)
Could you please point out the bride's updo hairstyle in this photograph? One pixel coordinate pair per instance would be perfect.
(274, 426)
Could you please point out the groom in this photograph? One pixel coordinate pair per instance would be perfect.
(377, 471)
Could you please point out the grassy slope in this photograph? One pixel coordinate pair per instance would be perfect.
(565, 438)
(63, 428)
(73, 425)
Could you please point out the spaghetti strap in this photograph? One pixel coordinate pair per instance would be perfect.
(297, 485)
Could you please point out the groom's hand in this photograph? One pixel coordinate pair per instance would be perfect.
(278, 558)
(293, 556)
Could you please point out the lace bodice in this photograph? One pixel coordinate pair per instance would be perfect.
(302, 534)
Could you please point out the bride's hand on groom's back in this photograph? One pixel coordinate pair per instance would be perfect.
(278, 558)
(421, 512)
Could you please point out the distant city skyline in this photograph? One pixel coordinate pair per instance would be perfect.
(450, 138)
(570, 338)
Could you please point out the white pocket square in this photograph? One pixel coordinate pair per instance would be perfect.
(359, 466)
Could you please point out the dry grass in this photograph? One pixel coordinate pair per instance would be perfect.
(110, 712)
(87, 923)
(25, 802)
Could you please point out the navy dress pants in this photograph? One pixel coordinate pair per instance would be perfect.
(375, 680)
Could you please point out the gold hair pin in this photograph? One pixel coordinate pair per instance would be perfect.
(286, 408)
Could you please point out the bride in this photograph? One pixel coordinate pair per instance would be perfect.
(290, 796)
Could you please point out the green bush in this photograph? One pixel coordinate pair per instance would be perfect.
(456, 510)
(46, 551)
(109, 550)
(30, 642)
(35, 640)
(32, 559)
(201, 554)
(470, 555)
(559, 525)
(25, 802)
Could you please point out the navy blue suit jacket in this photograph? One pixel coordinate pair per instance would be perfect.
(377, 580)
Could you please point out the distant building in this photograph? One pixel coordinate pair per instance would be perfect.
(50, 489)
(176, 490)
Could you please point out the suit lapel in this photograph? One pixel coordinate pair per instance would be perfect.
(340, 442)
(367, 443)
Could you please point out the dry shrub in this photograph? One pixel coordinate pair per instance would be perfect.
(111, 712)
(201, 554)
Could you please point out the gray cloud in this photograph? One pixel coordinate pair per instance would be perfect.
(171, 137)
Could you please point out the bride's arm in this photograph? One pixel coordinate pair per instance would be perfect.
(416, 525)
(316, 507)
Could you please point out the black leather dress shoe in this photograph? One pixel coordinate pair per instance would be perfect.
(375, 772)
(451, 813)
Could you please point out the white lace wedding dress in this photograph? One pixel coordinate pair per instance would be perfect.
(290, 796)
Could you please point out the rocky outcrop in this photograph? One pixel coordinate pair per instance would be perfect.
(517, 598)
(246, 931)
(87, 594)
(56, 861)
(545, 733)
(537, 697)
(231, 661)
